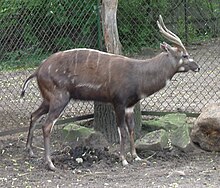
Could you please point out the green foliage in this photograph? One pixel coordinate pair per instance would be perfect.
(21, 59)
(181, 29)
(137, 25)
(48, 26)
(137, 21)
(64, 43)
(35, 28)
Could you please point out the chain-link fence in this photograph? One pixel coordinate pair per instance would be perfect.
(32, 30)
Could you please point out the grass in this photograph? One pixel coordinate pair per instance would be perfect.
(21, 60)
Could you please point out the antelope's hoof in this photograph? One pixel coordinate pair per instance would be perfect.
(137, 158)
(31, 153)
(51, 167)
(124, 162)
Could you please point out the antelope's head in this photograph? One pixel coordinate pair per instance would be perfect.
(180, 57)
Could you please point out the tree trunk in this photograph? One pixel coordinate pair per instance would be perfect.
(109, 26)
(104, 117)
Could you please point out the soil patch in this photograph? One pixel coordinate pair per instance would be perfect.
(85, 166)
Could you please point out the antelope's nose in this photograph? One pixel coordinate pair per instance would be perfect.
(198, 69)
(194, 66)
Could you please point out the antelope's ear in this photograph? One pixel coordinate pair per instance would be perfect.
(165, 47)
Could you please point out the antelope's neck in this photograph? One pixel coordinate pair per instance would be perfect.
(155, 75)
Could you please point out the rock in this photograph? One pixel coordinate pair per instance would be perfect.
(180, 138)
(73, 132)
(79, 160)
(80, 135)
(206, 130)
(167, 122)
(156, 140)
(177, 173)
(96, 140)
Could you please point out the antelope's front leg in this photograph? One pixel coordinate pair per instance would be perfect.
(120, 119)
(129, 117)
(122, 136)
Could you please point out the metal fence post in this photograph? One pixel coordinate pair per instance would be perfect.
(186, 21)
(100, 47)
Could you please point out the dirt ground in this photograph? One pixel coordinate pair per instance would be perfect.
(168, 168)
(101, 167)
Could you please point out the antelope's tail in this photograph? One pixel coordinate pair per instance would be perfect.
(26, 83)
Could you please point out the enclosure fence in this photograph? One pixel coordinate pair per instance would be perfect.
(32, 30)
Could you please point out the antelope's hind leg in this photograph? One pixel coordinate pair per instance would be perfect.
(43, 109)
(57, 106)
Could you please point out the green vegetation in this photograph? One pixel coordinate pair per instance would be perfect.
(33, 29)
(137, 23)
(21, 59)
(192, 20)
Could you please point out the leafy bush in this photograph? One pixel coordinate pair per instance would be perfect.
(49, 26)
(38, 27)
(137, 23)
(21, 59)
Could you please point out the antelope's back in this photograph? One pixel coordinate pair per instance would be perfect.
(83, 73)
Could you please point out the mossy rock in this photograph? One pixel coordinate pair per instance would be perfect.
(168, 122)
(156, 140)
(73, 132)
(180, 138)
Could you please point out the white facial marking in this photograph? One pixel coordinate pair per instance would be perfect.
(180, 61)
(64, 72)
(191, 60)
(129, 110)
(73, 81)
(56, 70)
(181, 69)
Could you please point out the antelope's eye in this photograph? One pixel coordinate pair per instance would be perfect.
(185, 56)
